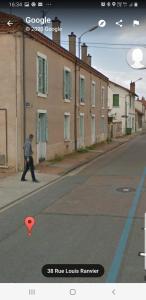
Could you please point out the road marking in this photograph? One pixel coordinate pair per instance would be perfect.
(117, 260)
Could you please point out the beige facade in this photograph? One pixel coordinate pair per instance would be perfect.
(139, 115)
(121, 106)
(62, 118)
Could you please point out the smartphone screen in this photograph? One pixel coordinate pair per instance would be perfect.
(72, 149)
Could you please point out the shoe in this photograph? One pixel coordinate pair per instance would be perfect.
(23, 179)
(36, 181)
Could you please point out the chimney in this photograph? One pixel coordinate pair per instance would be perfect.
(72, 43)
(89, 59)
(84, 53)
(132, 87)
(56, 30)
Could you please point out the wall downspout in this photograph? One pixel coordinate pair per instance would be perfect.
(75, 108)
(24, 94)
(16, 103)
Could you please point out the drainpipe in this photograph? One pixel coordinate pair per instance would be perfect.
(24, 94)
(16, 103)
(6, 137)
(6, 125)
(126, 113)
(75, 108)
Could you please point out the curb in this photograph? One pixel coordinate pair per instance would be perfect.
(91, 159)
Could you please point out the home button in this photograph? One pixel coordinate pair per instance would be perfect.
(72, 292)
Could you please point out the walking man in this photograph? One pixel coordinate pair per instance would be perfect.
(28, 159)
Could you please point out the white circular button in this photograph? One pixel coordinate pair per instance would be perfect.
(102, 23)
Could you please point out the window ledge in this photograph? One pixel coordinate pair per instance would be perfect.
(67, 140)
(93, 105)
(42, 95)
(82, 103)
(67, 100)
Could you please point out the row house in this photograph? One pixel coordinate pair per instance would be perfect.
(48, 91)
(139, 115)
(143, 100)
(121, 109)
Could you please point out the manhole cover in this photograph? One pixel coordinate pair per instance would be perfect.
(125, 189)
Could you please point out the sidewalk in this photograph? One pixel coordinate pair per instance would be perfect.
(12, 189)
(75, 160)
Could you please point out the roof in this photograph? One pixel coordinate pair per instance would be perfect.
(143, 102)
(139, 112)
(20, 25)
(123, 87)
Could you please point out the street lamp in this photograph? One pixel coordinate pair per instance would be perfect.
(79, 39)
(137, 79)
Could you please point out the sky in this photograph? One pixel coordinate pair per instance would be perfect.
(108, 58)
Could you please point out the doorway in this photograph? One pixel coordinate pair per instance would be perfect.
(42, 134)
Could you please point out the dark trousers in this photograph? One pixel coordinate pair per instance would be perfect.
(28, 166)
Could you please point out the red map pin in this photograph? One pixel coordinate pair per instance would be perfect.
(29, 223)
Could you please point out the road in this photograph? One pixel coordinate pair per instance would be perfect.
(83, 218)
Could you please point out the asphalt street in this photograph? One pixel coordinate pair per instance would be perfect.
(85, 218)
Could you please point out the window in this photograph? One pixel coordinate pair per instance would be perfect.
(116, 100)
(66, 126)
(42, 75)
(93, 93)
(102, 124)
(93, 129)
(102, 97)
(82, 89)
(67, 84)
(42, 126)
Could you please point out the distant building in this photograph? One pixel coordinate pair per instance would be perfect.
(49, 92)
(121, 109)
(140, 114)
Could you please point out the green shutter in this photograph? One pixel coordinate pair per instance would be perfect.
(46, 127)
(67, 84)
(42, 75)
(37, 128)
(64, 84)
(65, 127)
(116, 100)
(46, 77)
(39, 74)
(82, 89)
(70, 85)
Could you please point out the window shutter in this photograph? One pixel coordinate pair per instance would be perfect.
(80, 89)
(40, 74)
(37, 128)
(46, 125)
(64, 84)
(46, 76)
(116, 100)
(37, 69)
(83, 89)
(65, 127)
(70, 85)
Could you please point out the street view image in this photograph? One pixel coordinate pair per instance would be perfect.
(72, 142)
